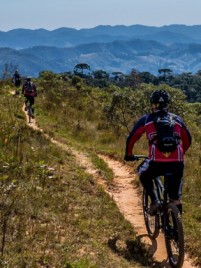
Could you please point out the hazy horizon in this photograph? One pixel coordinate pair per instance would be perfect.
(79, 14)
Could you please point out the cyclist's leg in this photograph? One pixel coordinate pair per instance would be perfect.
(146, 177)
(175, 183)
(32, 101)
(26, 102)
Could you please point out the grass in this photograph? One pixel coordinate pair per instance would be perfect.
(52, 214)
(102, 166)
(78, 125)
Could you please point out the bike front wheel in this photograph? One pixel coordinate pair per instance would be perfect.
(151, 222)
(174, 236)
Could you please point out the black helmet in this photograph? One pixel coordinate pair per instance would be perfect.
(160, 96)
(28, 78)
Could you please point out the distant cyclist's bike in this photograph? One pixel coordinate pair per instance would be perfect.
(168, 219)
(30, 113)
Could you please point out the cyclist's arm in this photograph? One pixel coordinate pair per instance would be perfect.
(186, 138)
(135, 135)
(185, 135)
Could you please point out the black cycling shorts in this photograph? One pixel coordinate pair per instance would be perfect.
(155, 169)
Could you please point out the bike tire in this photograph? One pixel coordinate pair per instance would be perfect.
(174, 236)
(29, 114)
(151, 222)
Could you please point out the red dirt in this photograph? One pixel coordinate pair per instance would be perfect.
(129, 203)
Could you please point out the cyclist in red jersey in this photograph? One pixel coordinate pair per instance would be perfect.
(159, 163)
(29, 91)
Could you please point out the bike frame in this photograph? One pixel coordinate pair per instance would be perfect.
(161, 188)
(167, 219)
(29, 111)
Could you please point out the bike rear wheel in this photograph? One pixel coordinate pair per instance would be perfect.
(29, 111)
(151, 222)
(174, 236)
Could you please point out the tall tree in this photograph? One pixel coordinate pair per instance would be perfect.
(80, 67)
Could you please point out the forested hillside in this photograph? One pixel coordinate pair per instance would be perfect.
(66, 37)
(120, 56)
(110, 48)
(52, 213)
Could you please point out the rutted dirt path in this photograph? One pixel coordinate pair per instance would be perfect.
(125, 195)
(129, 203)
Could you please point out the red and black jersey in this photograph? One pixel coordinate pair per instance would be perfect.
(146, 125)
(29, 89)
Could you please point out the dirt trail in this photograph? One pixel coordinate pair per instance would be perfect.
(129, 203)
(125, 195)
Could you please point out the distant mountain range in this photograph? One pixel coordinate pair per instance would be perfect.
(110, 48)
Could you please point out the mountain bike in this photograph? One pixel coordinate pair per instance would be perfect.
(29, 111)
(167, 219)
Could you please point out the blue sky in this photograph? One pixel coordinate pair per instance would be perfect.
(53, 14)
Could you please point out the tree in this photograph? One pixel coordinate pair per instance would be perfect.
(146, 77)
(133, 79)
(165, 71)
(125, 106)
(80, 68)
(100, 78)
(100, 74)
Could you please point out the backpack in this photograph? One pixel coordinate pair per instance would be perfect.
(29, 89)
(28, 86)
(17, 77)
(166, 140)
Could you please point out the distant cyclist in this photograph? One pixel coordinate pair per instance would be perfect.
(16, 79)
(29, 91)
(160, 161)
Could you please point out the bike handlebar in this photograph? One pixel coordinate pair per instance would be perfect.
(140, 156)
(135, 157)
